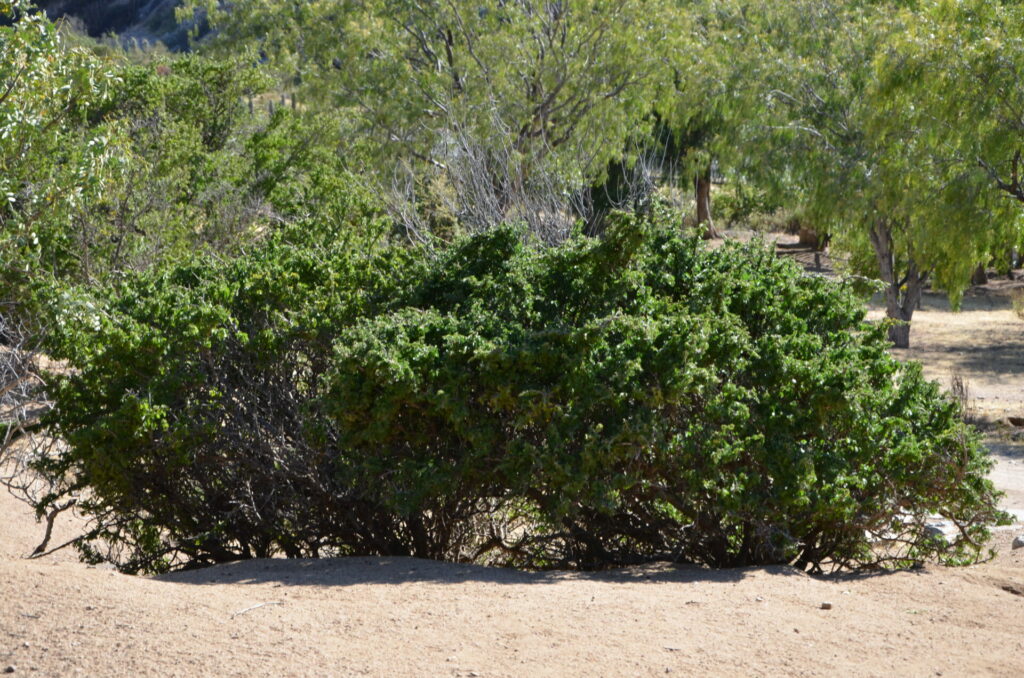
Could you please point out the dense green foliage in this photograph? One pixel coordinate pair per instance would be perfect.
(52, 162)
(955, 74)
(595, 404)
(281, 338)
(849, 113)
(110, 165)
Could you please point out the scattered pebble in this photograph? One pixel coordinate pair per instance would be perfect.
(1018, 542)
(11, 669)
(826, 606)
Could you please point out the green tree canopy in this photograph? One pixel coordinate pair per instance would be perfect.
(109, 165)
(857, 150)
(955, 75)
(53, 163)
(504, 100)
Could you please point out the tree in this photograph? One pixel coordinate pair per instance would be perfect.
(52, 164)
(715, 92)
(505, 101)
(955, 73)
(857, 152)
(110, 165)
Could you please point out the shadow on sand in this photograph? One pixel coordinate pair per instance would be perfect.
(388, 570)
(997, 350)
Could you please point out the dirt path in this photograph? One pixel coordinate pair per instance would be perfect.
(983, 343)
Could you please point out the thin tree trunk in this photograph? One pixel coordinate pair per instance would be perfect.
(702, 192)
(980, 275)
(902, 296)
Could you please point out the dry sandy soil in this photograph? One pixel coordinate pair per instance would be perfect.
(405, 617)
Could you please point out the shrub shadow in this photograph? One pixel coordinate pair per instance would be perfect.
(354, 571)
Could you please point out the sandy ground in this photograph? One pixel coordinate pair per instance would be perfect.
(405, 617)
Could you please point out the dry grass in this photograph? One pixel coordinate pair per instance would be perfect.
(1017, 302)
(960, 391)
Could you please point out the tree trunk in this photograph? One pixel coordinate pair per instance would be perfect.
(899, 335)
(901, 296)
(980, 276)
(702, 191)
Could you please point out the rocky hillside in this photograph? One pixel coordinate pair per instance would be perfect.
(144, 20)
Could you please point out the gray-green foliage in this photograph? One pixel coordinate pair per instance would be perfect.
(595, 404)
(111, 166)
(53, 164)
(514, 104)
(954, 77)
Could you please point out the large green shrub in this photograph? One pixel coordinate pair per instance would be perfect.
(185, 412)
(600, 403)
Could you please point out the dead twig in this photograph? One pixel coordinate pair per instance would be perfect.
(254, 607)
(51, 517)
